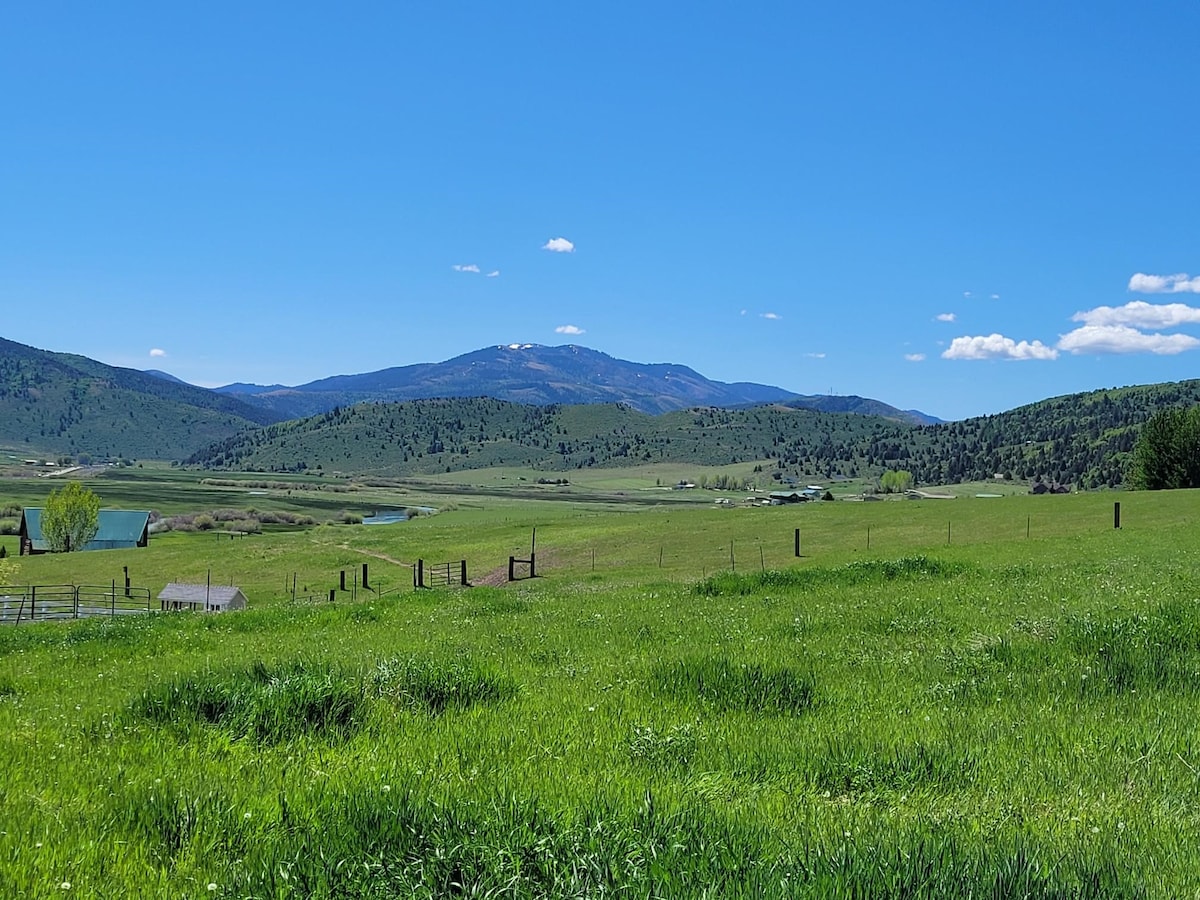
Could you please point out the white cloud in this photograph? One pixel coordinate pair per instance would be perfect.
(559, 245)
(569, 329)
(1123, 339)
(1164, 284)
(915, 357)
(945, 317)
(471, 268)
(743, 312)
(157, 352)
(967, 294)
(997, 346)
(815, 355)
(1140, 314)
(995, 296)
(495, 273)
(771, 315)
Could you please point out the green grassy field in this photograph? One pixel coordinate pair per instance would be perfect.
(985, 698)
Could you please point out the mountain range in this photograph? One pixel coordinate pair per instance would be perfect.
(555, 408)
(537, 375)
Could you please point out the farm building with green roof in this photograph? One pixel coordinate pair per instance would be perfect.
(120, 529)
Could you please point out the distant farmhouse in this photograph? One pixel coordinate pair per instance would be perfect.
(120, 529)
(201, 597)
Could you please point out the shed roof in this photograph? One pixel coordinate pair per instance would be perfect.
(200, 593)
(117, 527)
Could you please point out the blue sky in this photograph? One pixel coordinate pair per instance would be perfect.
(954, 207)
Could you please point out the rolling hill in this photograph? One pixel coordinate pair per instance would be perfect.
(1080, 439)
(61, 404)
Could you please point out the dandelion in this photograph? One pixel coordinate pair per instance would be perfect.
(66, 886)
(246, 816)
(386, 788)
(212, 885)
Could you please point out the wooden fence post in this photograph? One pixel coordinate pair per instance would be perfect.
(462, 575)
(511, 561)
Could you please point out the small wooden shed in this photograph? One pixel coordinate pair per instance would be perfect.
(201, 597)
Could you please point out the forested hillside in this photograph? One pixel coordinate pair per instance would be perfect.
(1082, 440)
(61, 404)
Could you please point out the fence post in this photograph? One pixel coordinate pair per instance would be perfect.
(420, 573)
(114, 598)
(511, 561)
(342, 585)
(533, 565)
(462, 575)
(797, 543)
(332, 594)
(1117, 514)
(366, 587)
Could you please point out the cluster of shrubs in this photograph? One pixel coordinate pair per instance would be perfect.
(250, 520)
(278, 485)
(10, 519)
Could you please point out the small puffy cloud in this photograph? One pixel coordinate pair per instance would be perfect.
(997, 346)
(743, 312)
(967, 294)
(770, 315)
(1164, 284)
(471, 268)
(559, 245)
(568, 329)
(915, 357)
(495, 273)
(1123, 339)
(815, 355)
(1140, 314)
(157, 353)
(945, 317)
(995, 296)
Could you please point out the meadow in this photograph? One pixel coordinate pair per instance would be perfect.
(984, 698)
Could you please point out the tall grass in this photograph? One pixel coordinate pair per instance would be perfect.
(925, 723)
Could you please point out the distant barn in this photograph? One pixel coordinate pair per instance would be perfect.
(120, 529)
(201, 597)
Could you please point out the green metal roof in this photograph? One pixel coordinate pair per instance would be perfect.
(118, 528)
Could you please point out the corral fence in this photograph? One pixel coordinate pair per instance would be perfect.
(48, 602)
(438, 574)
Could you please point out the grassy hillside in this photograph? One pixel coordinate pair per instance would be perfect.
(1003, 716)
(58, 404)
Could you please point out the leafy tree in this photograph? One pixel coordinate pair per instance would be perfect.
(1167, 453)
(895, 481)
(70, 518)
